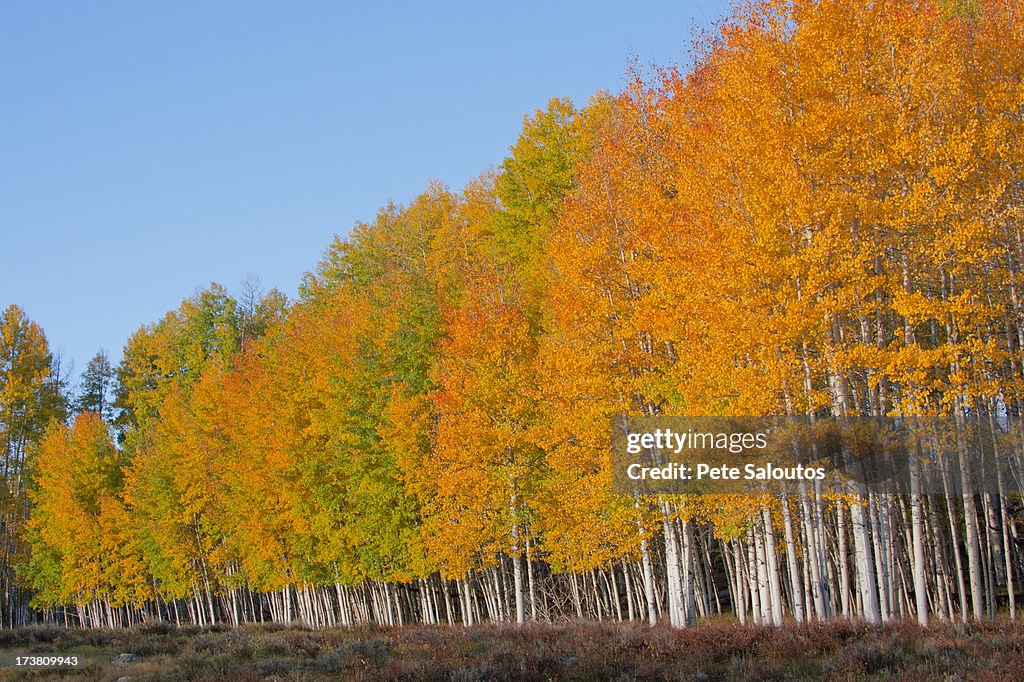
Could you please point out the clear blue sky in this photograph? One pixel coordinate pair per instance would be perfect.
(149, 148)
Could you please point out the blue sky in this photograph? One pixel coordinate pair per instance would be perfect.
(147, 149)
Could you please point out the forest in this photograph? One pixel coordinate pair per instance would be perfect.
(819, 215)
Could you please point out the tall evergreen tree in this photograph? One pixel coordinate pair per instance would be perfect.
(96, 387)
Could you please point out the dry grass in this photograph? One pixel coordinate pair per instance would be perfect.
(582, 651)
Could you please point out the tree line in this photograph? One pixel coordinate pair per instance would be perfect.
(819, 216)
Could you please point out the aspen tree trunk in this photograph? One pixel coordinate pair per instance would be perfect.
(636, 577)
(893, 556)
(970, 511)
(1004, 547)
(813, 555)
(916, 521)
(689, 615)
(820, 531)
(863, 560)
(701, 590)
(234, 608)
(487, 591)
(794, 573)
(879, 544)
(530, 580)
(499, 593)
(629, 590)
(659, 599)
(252, 605)
(377, 615)
(740, 602)
(764, 596)
(955, 541)
(449, 616)
(987, 556)
(808, 597)
(467, 609)
(425, 606)
(319, 612)
(613, 591)
(342, 606)
(673, 582)
(200, 612)
(576, 600)
(385, 614)
(505, 598)
(815, 525)
(394, 593)
(1005, 523)
(709, 572)
(753, 586)
(993, 525)
(599, 601)
(648, 576)
(517, 570)
(941, 573)
(839, 409)
(730, 576)
(772, 568)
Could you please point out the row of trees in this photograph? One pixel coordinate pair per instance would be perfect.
(32, 395)
(820, 217)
